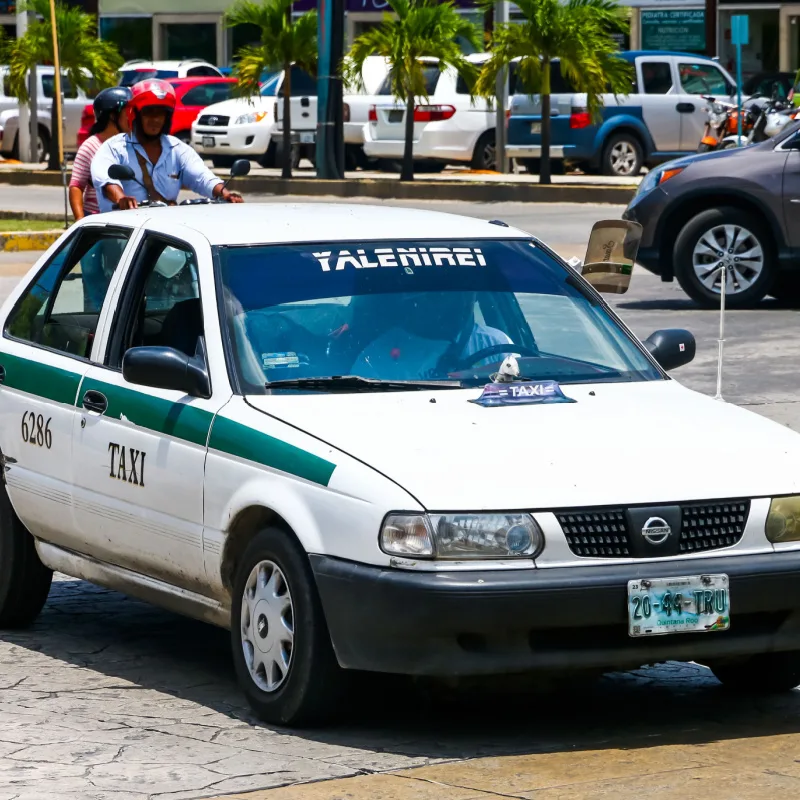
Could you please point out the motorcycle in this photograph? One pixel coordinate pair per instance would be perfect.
(122, 172)
(717, 123)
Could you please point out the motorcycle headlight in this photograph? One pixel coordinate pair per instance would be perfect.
(783, 519)
(253, 116)
(462, 536)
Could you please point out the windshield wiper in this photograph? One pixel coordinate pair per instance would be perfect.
(358, 384)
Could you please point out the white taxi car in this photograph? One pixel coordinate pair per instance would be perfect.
(313, 435)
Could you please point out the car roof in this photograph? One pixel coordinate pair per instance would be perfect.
(196, 79)
(144, 64)
(283, 223)
(631, 54)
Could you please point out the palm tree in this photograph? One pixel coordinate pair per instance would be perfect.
(86, 61)
(418, 28)
(579, 34)
(284, 41)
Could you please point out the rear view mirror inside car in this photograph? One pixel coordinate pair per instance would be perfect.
(611, 254)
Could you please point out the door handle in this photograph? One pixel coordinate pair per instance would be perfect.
(95, 401)
(685, 108)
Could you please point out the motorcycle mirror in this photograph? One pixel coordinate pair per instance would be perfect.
(121, 172)
(611, 254)
(240, 168)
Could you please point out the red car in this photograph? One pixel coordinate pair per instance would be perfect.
(194, 94)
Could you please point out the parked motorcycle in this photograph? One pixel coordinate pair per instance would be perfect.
(717, 123)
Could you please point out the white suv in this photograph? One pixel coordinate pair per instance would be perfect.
(141, 70)
(448, 127)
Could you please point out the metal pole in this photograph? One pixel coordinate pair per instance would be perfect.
(501, 99)
(723, 282)
(739, 93)
(33, 94)
(24, 118)
(330, 122)
(59, 131)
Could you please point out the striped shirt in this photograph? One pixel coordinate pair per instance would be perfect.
(82, 174)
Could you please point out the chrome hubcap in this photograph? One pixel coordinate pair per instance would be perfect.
(737, 250)
(623, 158)
(267, 626)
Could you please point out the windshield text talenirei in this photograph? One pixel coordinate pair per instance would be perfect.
(401, 257)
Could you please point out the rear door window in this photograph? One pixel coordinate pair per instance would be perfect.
(656, 77)
(431, 75)
(700, 78)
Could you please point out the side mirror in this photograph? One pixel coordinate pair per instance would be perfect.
(240, 168)
(166, 368)
(610, 255)
(671, 348)
(121, 172)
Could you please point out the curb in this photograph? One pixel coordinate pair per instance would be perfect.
(17, 241)
(393, 189)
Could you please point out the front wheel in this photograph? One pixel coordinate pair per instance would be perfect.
(729, 238)
(24, 580)
(282, 650)
(767, 673)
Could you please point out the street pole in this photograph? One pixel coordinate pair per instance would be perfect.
(58, 132)
(711, 28)
(24, 117)
(330, 122)
(33, 102)
(501, 98)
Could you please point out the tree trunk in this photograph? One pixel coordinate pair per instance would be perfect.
(407, 173)
(55, 130)
(544, 162)
(286, 167)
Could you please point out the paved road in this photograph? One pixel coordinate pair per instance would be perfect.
(106, 698)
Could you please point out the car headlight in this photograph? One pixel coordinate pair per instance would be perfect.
(461, 536)
(253, 116)
(783, 519)
(657, 176)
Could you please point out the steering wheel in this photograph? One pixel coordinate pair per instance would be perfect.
(495, 350)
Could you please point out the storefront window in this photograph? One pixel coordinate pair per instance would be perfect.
(187, 40)
(132, 35)
(243, 36)
(761, 54)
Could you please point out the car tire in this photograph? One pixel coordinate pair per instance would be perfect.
(222, 162)
(268, 159)
(42, 146)
(709, 225)
(622, 156)
(282, 638)
(768, 673)
(484, 156)
(24, 580)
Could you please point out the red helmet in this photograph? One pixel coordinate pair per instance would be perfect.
(151, 93)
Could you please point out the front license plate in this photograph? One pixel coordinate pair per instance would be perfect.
(396, 115)
(209, 141)
(536, 127)
(306, 137)
(694, 604)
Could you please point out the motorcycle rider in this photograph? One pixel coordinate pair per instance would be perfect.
(161, 163)
(110, 120)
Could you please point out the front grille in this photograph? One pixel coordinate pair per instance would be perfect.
(710, 526)
(604, 532)
(213, 120)
(601, 533)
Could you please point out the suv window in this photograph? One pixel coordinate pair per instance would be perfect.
(48, 87)
(61, 310)
(559, 84)
(702, 79)
(656, 77)
(461, 84)
(430, 73)
(161, 302)
(202, 72)
(303, 84)
(7, 86)
(207, 94)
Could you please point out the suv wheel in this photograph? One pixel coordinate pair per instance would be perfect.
(282, 650)
(726, 237)
(485, 155)
(622, 156)
(767, 673)
(24, 580)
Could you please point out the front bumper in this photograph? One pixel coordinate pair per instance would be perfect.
(237, 140)
(508, 621)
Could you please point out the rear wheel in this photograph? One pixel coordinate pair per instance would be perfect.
(768, 673)
(282, 650)
(24, 580)
(485, 154)
(42, 147)
(726, 237)
(622, 156)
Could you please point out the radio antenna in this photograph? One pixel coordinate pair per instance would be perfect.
(723, 281)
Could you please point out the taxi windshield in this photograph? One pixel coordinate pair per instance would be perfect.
(414, 311)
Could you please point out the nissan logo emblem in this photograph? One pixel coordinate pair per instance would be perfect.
(656, 530)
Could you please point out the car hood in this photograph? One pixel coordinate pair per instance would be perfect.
(240, 105)
(650, 442)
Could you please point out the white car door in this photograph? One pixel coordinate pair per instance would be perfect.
(656, 80)
(140, 451)
(49, 325)
(695, 79)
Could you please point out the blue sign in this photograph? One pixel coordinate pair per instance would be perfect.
(740, 33)
(521, 393)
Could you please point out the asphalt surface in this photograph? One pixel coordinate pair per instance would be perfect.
(106, 698)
